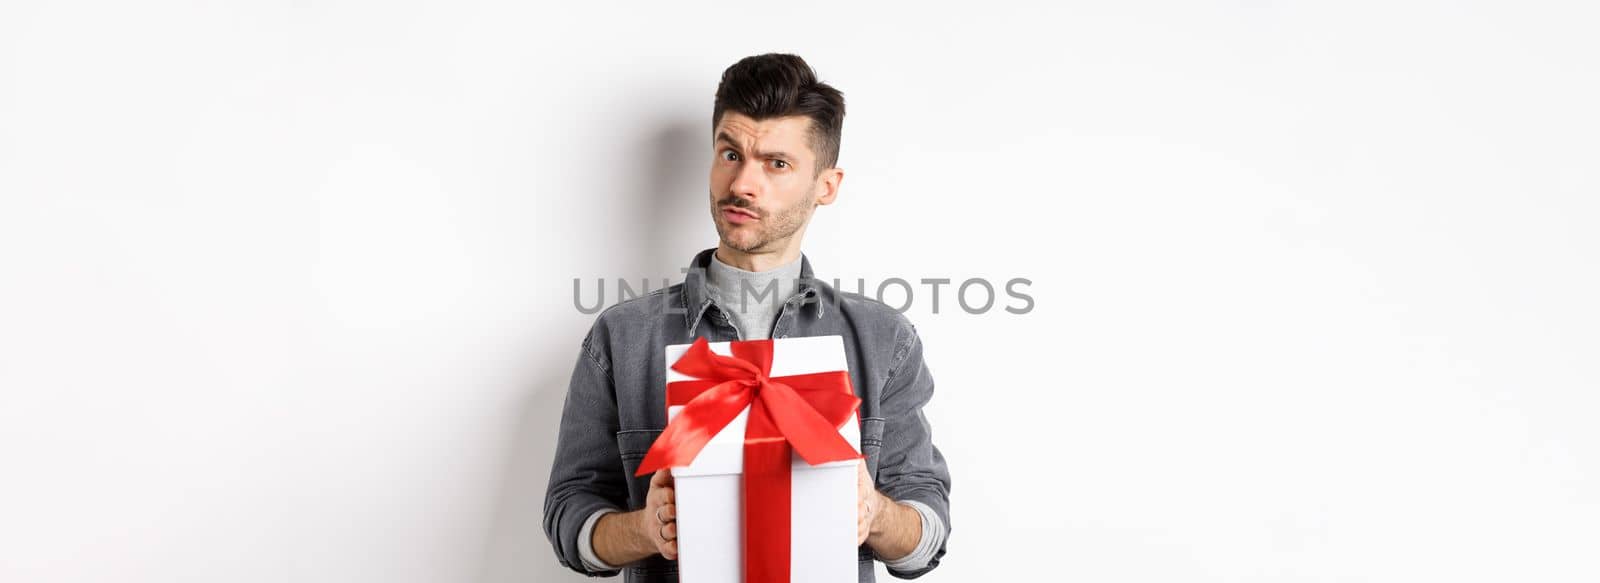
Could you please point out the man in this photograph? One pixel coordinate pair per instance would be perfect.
(775, 143)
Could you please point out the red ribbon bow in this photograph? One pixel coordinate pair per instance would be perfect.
(803, 411)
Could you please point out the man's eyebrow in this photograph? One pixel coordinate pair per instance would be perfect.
(724, 137)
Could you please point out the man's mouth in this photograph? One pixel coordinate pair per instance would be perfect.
(738, 216)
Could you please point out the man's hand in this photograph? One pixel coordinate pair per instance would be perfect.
(660, 517)
(621, 538)
(869, 503)
(890, 528)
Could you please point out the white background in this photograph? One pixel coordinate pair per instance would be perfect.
(286, 289)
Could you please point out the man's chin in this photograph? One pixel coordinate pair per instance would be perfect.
(742, 244)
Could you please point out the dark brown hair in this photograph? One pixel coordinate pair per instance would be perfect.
(779, 85)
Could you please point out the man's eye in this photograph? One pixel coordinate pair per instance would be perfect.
(729, 155)
(781, 163)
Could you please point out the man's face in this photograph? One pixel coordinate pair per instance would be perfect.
(764, 184)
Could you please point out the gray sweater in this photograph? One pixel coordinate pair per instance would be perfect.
(753, 297)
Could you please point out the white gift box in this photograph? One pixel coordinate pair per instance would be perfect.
(822, 497)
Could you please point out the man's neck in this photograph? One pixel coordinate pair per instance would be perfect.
(756, 261)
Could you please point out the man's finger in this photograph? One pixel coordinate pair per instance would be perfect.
(654, 497)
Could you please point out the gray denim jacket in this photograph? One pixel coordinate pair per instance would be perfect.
(615, 406)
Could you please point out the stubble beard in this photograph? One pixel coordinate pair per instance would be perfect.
(773, 227)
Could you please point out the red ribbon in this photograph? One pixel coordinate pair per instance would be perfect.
(804, 412)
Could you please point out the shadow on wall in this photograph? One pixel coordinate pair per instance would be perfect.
(667, 223)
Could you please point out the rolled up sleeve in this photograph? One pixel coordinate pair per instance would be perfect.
(586, 475)
(932, 535)
(910, 467)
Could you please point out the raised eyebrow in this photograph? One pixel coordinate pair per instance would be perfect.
(725, 138)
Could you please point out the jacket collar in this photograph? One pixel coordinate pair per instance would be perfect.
(697, 299)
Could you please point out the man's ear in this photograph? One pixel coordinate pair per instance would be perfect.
(828, 183)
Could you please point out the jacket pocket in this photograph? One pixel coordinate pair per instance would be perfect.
(872, 442)
(632, 444)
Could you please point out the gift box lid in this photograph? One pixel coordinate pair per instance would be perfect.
(724, 454)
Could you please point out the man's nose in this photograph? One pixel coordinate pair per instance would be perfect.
(747, 179)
